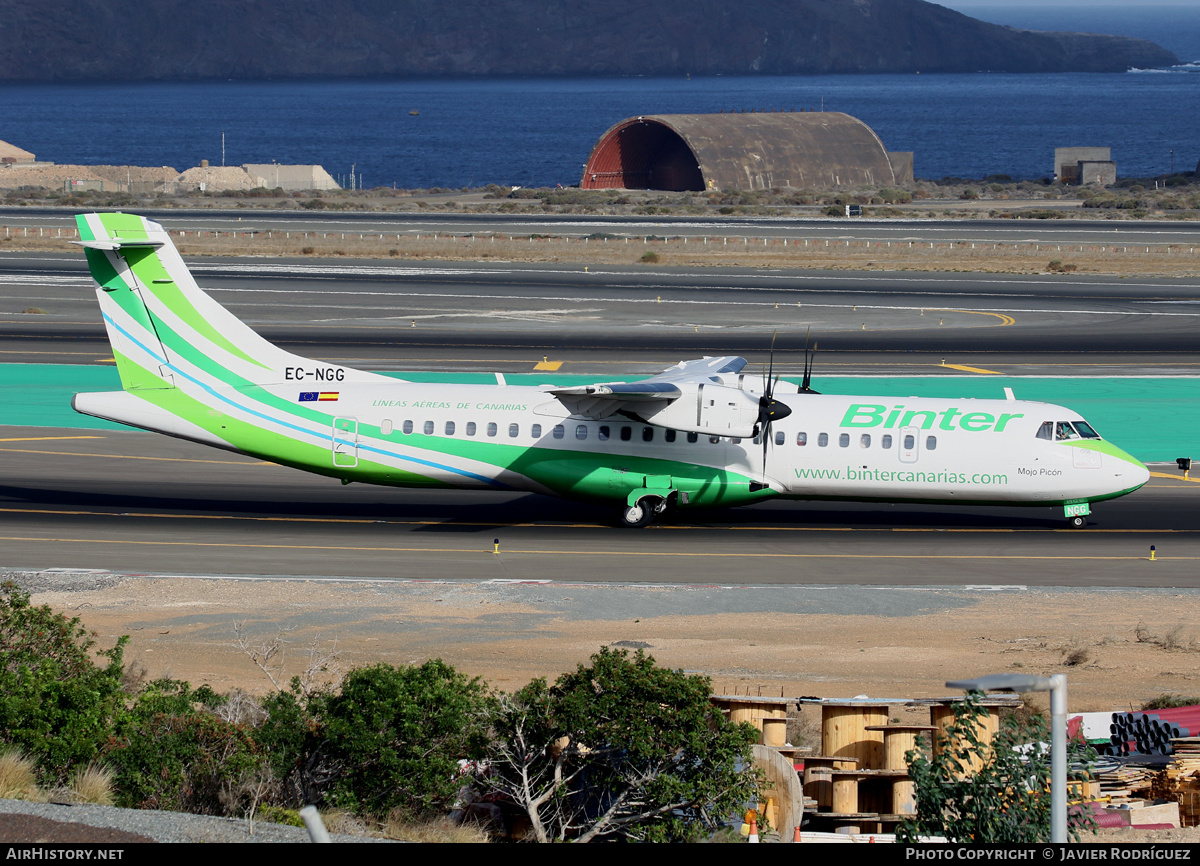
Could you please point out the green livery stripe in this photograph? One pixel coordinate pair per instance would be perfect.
(1104, 447)
(280, 448)
(220, 377)
(135, 377)
(103, 272)
(85, 230)
(149, 268)
(124, 225)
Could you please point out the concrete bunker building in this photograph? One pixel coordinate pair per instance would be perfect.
(1084, 165)
(743, 151)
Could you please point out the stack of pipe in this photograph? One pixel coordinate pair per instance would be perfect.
(1151, 733)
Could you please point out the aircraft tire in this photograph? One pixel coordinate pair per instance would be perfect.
(640, 514)
(1077, 522)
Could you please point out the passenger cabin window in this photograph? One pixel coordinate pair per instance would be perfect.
(714, 439)
(693, 437)
(885, 441)
(930, 443)
(647, 434)
(669, 435)
(536, 431)
(581, 431)
(428, 428)
(780, 437)
(844, 440)
(492, 428)
(910, 442)
(514, 430)
(449, 428)
(1046, 431)
(602, 433)
(626, 433)
(801, 438)
(864, 441)
(822, 440)
(559, 431)
(386, 427)
(470, 428)
(407, 427)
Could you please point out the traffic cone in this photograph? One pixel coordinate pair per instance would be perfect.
(796, 834)
(753, 831)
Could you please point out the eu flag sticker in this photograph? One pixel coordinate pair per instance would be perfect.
(308, 396)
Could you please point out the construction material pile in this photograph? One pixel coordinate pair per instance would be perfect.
(1151, 733)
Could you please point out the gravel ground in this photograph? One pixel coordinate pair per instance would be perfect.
(21, 821)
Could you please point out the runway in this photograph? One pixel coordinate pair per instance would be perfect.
(474, 316)
(132, 501)
(127, 501)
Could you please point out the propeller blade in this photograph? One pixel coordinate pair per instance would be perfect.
(771, 370)
(768, 407)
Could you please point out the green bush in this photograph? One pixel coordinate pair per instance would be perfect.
(620, 749)
(56, 703)
(175, 754)
(395, 736)
(891, 195)
(1007, 800)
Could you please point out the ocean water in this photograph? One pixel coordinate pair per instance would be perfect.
(534, 132)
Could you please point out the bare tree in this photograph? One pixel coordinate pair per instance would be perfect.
(270, 655)
(534, 774)
(619, 749)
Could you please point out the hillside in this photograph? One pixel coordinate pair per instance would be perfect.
(74, 40)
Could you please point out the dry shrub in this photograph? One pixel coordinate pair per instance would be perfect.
(93, 784)
(1176, 639)
(1076, 656)
(18, 776)
(436, 830)
(344, 823)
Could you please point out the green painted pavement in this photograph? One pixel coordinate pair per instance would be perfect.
(1154, 419)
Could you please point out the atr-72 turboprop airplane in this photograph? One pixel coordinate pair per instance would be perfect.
(700, 434)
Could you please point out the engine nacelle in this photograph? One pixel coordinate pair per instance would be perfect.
(755, 383)
(715, 410)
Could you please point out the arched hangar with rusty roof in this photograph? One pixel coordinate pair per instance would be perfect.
(750, 151)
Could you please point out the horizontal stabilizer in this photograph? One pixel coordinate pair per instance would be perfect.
(114, 244)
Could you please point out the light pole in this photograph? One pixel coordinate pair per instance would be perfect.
(1056, 685)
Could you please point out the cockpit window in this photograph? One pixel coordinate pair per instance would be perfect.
(1064, 431)
(1046, 431)
(1086, 431)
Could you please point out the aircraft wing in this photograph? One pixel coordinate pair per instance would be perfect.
(605, 399)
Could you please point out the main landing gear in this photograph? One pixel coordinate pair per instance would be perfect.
(642, 512)
(1077, 522)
